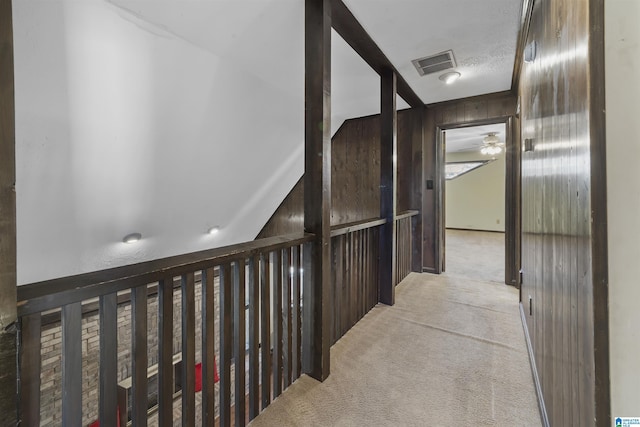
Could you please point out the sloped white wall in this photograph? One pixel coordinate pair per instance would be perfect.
(475, 200)
(124, 127)
(164, 118)
(622, 62)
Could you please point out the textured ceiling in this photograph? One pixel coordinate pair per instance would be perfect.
(470, 138)
(482, 35)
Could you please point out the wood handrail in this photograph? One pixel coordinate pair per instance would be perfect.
(338, 230)
(407, 214)
(54, 293)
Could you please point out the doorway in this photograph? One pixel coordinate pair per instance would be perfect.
(474, 201)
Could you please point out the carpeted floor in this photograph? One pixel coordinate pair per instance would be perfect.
(450, 352)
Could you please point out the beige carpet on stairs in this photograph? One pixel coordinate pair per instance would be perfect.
(450, 352)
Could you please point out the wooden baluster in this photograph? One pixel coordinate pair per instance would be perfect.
(287, 354)
(344, 300)
(165, 352)
(265, 331)
(277, 325)
(71, 364)
(336, 267)
(226, 344)
(297, 324)
(208, 347)
(108, 359)
(30, 367)
(254, 336)
(139, 394)
(188, 349)
(239, 285)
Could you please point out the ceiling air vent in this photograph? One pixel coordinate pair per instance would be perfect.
(435, 63)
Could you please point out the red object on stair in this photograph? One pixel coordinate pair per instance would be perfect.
(97, 423)
(216, 378)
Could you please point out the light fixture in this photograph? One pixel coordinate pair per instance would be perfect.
(132, 238)
(492, 145)
(450, 77)
(213, 230)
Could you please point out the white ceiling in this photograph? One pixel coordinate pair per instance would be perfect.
(470, 138)
(482, 35)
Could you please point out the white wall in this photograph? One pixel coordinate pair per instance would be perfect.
(622, 59)
(124, 127)
(164, 118)
(475, 200)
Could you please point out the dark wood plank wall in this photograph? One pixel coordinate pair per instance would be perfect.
(563, 211)
(355, 175)
(498, 107)
(7, 221)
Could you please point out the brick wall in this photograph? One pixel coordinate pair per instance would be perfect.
(50, 409)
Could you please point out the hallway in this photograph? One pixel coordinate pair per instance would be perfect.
(451, 351)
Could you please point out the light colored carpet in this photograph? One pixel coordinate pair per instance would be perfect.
(475, 254)
(450, 352)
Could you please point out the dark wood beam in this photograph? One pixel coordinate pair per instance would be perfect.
(317, 188)
(8, 389)
(355, 35)
(388, 182)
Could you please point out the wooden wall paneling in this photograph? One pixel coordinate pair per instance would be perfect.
(317, 183)
(8, 277)
(429, 206)
(388, 185)
(564, 256)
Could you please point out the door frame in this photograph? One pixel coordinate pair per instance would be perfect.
(512, 227)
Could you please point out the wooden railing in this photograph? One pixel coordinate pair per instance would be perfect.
(405, 224)
(250, 313)
(354, 266)
(259, 281)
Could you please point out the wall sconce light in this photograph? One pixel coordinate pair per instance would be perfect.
(132, 238)
(213, 230)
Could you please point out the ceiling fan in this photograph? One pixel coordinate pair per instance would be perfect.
(491, 144)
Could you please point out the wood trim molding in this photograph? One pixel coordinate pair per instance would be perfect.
(599, 240)
(534, 370)
(8, 276)
(523, 34)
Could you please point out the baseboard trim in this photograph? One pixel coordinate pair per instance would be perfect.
(534, 370)
(429, 270)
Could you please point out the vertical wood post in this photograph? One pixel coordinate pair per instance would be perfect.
(388, 182)
(417, 181)
(8, 387)
(317, 188)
